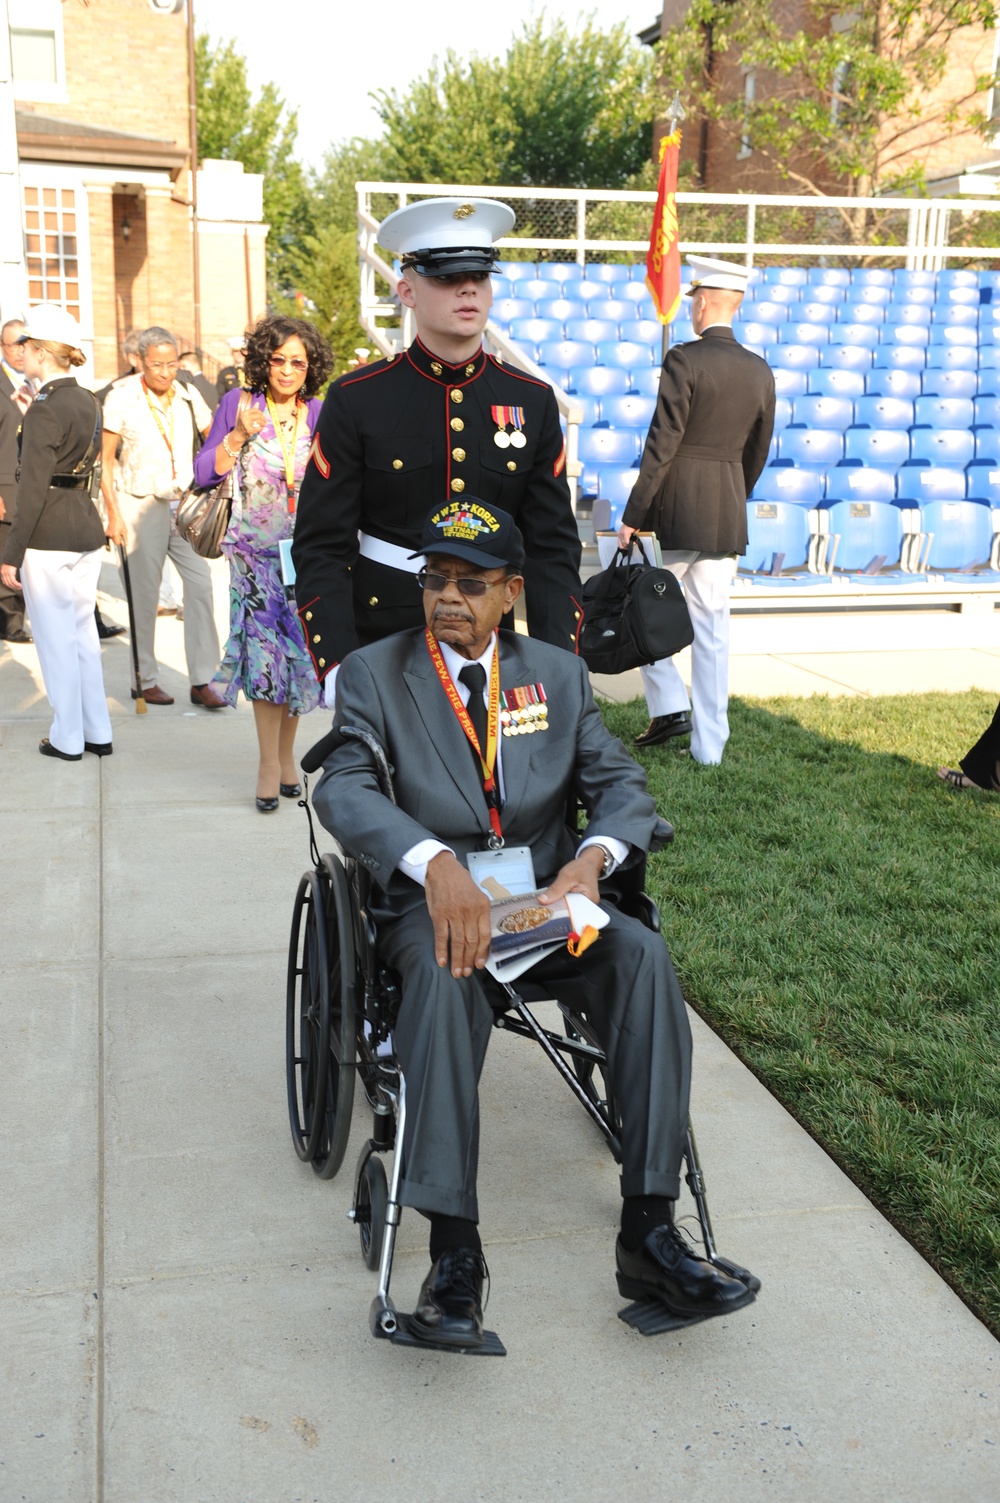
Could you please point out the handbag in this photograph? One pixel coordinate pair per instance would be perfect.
(633, 615)
(203, 514)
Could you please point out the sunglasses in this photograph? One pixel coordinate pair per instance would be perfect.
(278, 362)
(469, 587)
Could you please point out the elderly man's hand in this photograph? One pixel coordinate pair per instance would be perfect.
(460, 913)
(9, 576)
(579, 875)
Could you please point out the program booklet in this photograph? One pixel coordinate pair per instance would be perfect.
(523, 930)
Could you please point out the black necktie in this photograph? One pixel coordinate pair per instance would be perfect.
(474, 679)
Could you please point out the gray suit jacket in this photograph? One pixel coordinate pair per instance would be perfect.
(391, 689)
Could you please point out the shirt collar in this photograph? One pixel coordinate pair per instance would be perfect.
(436, 369)
(454, 662)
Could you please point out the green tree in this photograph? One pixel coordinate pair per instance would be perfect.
(850, 102)
(322, 285)
(259, 133)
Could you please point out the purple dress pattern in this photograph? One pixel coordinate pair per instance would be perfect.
(266, 654)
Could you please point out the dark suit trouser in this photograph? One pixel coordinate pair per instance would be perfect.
(982, 762)
(625, 984)
(11, 601)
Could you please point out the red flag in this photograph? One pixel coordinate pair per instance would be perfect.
(663, 259)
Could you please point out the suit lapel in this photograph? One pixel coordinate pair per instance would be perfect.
(445, 736)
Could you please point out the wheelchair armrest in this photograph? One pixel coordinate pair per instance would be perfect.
(314, 758)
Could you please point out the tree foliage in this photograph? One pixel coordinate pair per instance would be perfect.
(853, 100)
(323, 287)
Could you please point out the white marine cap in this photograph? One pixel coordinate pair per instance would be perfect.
(50, 324)
(441, 236)
(237, 342)
(707, 272)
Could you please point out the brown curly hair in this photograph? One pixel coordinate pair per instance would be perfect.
(269, 335)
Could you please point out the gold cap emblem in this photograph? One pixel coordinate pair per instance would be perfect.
(464, 210)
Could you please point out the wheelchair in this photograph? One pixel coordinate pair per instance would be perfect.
(341, 1003)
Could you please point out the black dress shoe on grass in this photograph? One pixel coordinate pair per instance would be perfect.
(290, 790)
(662, 727)
(450, 1308)
(99, 748)
(667, 1268)
(48, 750)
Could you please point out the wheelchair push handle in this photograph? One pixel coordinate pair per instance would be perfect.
(314, 758)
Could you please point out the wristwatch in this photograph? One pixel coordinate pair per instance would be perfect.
(609, 859)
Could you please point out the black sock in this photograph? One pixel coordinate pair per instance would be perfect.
(640, 1213)
(453, 1231)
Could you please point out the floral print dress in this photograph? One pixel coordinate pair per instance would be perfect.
(266, 654)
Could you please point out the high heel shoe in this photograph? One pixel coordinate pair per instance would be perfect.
(267, 805)
(290, 790)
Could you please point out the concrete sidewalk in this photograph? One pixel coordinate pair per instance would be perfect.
(184, 1305)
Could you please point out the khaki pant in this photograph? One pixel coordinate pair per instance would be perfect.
(150, 542)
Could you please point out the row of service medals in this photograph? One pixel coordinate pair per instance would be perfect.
(509, 417)
(523, 710)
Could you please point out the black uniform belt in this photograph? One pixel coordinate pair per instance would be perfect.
(701, 451)
(70, 482)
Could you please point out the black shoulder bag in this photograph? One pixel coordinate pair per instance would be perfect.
(632, 615)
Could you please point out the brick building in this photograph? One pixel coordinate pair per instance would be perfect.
(103, 144)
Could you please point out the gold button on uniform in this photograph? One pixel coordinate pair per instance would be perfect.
(458, 485)
(511, 465)
(435, 368)
(309, 615)
(317, 639)
(373, 600)
(456, 396)
(397, 464)
(322, 662)
(458, 454)
(457, 425)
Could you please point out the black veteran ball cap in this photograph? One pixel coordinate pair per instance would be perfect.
(471, 530)
(441, 237)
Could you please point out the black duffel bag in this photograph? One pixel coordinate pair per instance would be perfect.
(632, 615)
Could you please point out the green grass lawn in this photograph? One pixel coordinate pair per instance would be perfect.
(832, 909)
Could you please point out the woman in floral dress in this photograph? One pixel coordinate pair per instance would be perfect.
(266, 432)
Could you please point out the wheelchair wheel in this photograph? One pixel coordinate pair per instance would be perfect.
(307, 1017)
(594, 1080)
(370, 1201)
(342, 972)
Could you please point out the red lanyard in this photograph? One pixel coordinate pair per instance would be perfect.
(158, 419)
(489, 762)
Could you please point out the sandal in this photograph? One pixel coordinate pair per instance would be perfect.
(954, 778)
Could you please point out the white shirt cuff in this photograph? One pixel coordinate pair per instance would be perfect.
(618, 850)
(415, 862)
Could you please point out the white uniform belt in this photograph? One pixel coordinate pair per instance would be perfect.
(390, 554)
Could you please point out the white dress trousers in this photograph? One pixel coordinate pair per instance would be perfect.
(706, 579)
(60, 592)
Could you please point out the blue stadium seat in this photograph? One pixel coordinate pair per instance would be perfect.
(580, 287)
(782, 413)
(870, 292)
(750, 332)
(862, 313)
(957, 317)
(989, 357)
(954, 334)
(855, 482)
(987, 445)
(633, 292)
(794, 357)
(846, 357)
(963, 533)
(559, 271)
(533, 331)
(777, 537)
(517, 271)
(506, 309)
(987, 381)
(592, 330)
(870, 276)
(958, 286)
(836, 383)
(591, 408)
(797, 333)
(791, 383)
(643, 331)
(990, 279)
(628, 411)
(779, 292)
(764, 311)
(986, 410)
(982, 483)
(562, 308)
(785, 482)
(617, 482)
(563, 354)
(913, 297)
(865, 335)
(597, 380)
(881, 448)
(816, 313)
(892, 382)
(646, 380)
(786, 276)
(900, 357)
(942, 446)
(884, 412)
(609, 446)
(823, 293)
(818, 447)
(955, 357)
(626, 353)
(924, 482)
(870, 533)
(611, 308)
(681, 332)
(502, 286)
(950, 384)
(903, 278)
(944, 412)
(606, 271)
(829, 276)
(908, 313)
(836, 413)
(535, 288)
(917, 336)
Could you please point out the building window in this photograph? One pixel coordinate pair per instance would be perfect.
(38, 65)
(50, 247)
(749, 95)
(33, 56)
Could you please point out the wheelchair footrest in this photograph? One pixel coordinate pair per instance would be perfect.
(491, 1345)
(650, 1318)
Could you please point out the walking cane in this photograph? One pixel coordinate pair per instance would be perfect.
(140, 703)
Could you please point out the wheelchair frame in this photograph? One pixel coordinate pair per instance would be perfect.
(340, 1006)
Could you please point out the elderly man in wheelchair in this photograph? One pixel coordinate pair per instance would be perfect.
(492, 737)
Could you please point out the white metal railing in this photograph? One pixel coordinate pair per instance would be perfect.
(374, 306)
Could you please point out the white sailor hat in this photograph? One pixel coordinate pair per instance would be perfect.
(441, 236)
(707, 272)
(47, 323)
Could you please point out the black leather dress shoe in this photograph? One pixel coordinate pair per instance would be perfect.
(290, 790)
(99, 748)
(106, 629)
(450, 1308)
(667, 1268)
(48, 750)
(662, 727)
